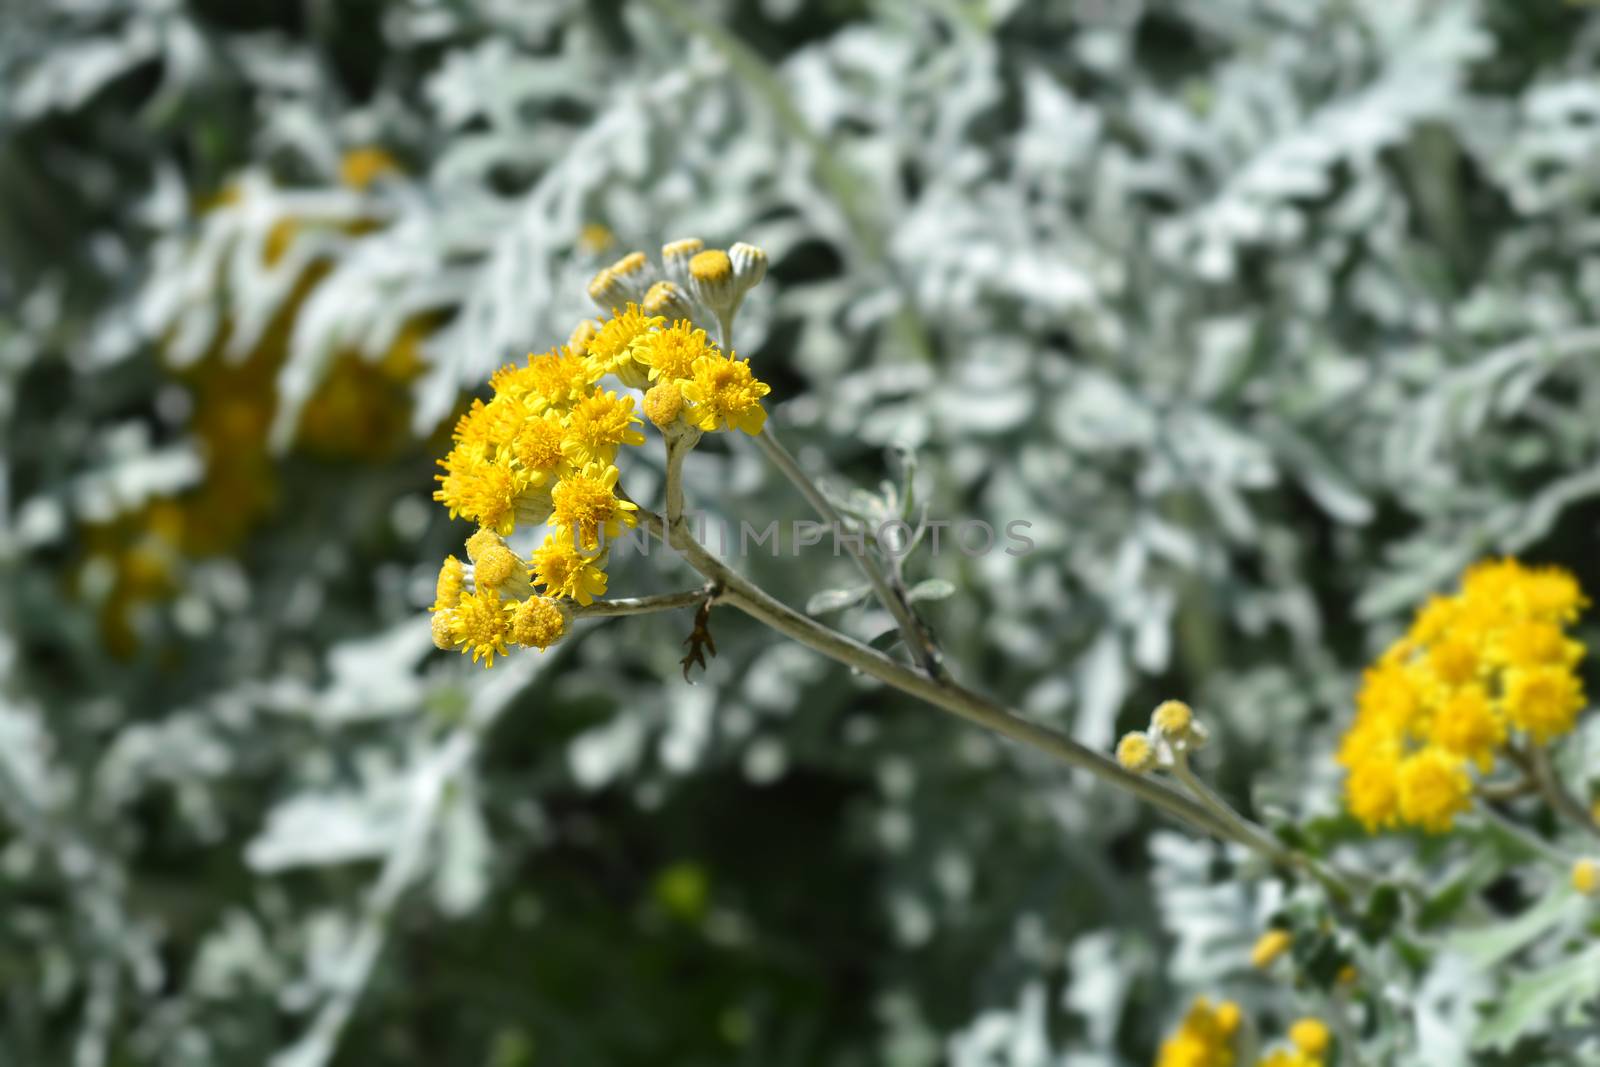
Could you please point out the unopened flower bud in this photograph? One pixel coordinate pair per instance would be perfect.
(675, 257)
(443, 639)
(1310, 1036)
(663, 404)
(539, 622)
(1269, 946)
(749, 266)
(669, 301)
(1586, 877)
(711, 281)
(606, 291)
(1174, 719)
(582, 334)
(1136, 753)
(635, 272)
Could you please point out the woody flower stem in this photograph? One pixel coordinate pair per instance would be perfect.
(739, 592)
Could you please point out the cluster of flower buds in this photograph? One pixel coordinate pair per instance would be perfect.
(696, 283)
(1174, 730)
(542, 451)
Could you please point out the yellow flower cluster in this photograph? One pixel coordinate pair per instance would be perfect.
(1206, 1038)
(1209, 1036)
(1487, 668)
(543, 451)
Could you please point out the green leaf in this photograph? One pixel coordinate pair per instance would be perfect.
(930, 589)
(1383, 911)
(836, 599)
(1531, 998)
(1488, 945)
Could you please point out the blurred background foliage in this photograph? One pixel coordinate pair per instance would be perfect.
(1268, 315)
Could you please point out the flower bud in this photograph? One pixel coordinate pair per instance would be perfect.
(1136, 753)
(443, 639)
(711, 281)
(1174, 719)
(1269, 946)
(539, 622)
(1586, 877)
(1310, 1036)
(669, 301)
(634, 272)
(749, 266)
(675, 257)
(582, 334)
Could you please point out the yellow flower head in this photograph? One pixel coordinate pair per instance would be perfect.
(537, 622)
(610, 350)
(538, 445)
(1544, 701)
(586, 505)
(1136, 753)
(452, 582)
(1467, 724)
(1434, 789)
(1372, 792)
(561, 570)
(481, 490)
(1269, 946)
(480, 624)
(597, 425)
(726, 395)
(474, 432)
(671, 353)
(1205, 1038)
(1310, 1036)
(553, 379)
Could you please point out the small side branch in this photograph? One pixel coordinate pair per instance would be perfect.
(645, 605)
(918, 641)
